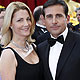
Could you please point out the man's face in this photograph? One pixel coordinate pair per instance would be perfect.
(2, 18)
(78, 15)
(55, 19)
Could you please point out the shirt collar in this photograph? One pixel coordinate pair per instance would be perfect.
(40, 25)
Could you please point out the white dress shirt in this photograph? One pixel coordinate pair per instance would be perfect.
(54, 54)
(42, 26)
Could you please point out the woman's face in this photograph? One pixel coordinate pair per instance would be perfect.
(21, 23)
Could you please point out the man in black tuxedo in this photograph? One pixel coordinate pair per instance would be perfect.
(77, 27)
(61, 53)
(40, 25)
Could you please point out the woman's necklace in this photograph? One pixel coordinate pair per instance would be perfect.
(25, 49)
(28, 49)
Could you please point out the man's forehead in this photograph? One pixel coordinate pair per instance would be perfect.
(54, 9)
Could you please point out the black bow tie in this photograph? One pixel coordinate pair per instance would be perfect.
(52, 41)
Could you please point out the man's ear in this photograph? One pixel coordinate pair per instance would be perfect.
(68, 19)
(42, 18)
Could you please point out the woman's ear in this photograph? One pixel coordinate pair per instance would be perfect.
(11, 26)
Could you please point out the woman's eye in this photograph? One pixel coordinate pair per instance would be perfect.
(19, 20)
(28, 19)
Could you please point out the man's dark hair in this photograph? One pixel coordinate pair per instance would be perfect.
(37, 14)
(56, 2)
(2, 9)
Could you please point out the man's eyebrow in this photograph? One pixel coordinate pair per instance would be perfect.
(49, 15)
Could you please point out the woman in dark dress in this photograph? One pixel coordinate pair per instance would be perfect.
(19, 59)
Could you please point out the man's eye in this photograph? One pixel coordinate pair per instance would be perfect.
(49, 16)
(58, 16)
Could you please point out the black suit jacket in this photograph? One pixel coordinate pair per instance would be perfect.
(42, 37)
(76, 28)
(37, 32)
(68, 67)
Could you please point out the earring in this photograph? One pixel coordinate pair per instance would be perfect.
(11, 27)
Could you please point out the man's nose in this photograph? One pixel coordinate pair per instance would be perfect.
(54, 20)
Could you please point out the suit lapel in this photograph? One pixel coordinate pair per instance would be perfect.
(46, 61)
(65, 53)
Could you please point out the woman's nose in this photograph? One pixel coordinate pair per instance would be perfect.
(25, 23)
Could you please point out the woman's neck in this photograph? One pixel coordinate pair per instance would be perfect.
(20, 42)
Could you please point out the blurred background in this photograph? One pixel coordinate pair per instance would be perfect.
(72, 4)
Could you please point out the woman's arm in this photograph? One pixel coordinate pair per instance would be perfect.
(8, 65)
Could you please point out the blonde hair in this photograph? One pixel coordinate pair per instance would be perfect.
(10, 10)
